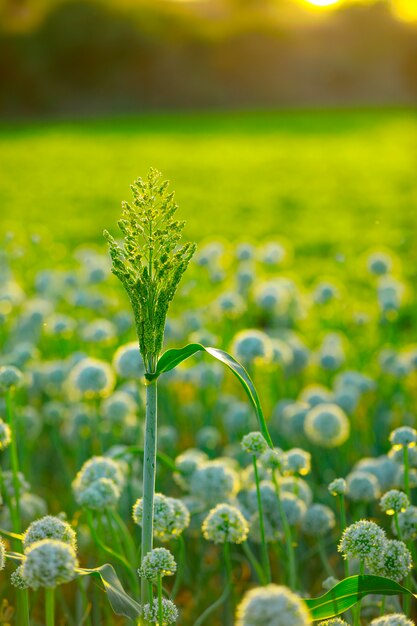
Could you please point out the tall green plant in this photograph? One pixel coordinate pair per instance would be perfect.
(150, 263)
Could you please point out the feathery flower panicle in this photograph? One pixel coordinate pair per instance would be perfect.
(363, 540)
(169, 612)
(254, 443)
(272, 605)
(49, 563)
(225, 523)
(158, 562)
(394, 501)
(50, 527)
(149, 263)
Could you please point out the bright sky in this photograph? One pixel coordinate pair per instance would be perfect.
(405, 9)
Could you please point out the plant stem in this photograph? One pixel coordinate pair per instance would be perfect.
(149, 473)
(292, 573)
(160, 609)
(50, 606)
(14, 461)
(406, 471)
(323, 557)
(357, 619)
(180, 568)
(343, 525)
(265, 556)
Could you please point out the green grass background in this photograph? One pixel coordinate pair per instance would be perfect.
(325, 180)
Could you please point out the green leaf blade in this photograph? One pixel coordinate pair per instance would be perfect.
(119, 600)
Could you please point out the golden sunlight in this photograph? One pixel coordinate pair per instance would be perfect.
(322, 3)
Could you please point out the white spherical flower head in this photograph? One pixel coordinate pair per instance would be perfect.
(327, 425)
(402, 437)
(335, 621)
(254, 443)
(170, 516)
(10, 378)
(394, 501)
(225, 523)
(99, 495)
(337, 487)
(214, 482)
(159, 562)
(362, 487)
(127, 361)
(49, 563)
(169, 612)
(118, 407)
(362, 540)
(272, 605)
(298, 461)
(17, 579)
(395, 619)
(2, 554)
(50, 527)
(91, 378)
(274, 459)
(5, 435)
(100, 467)
(318, 520)
(252, 345)
(379, 263)
(297, 487)
(294, 509)
(393, 562)
(408, 524)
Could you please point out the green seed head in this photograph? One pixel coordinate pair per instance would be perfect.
(150, 263)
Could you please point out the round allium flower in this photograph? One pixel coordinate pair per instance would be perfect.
(395, 561)
(50, 527)
(169, 612)
(298, 461)
(251, 345)
(274, 459)
(383, 468)
(327, 425)
(225, 523)
(268, 498)
(254, 443)
(314, 395)
(187, 462)
(119, 406)
(362, 540)
(158, 562)
(2, 554)
(329, 582)
(394, 501)
(318, 520)
(209, 437)
(10, 377)
(403, 436)
(294, 509)
(272, 605)
(408, 524)
(8, 483)
(362, 487)
(100, 467)
(5, 435)
(296, 486)
(213, 482)
(100, 331)
(127, 361)
(170, 516)
(231, 305)
(337, 487)
(324, 292)
(99, 495)
(49, 563)
(335, 621)
(91, 378)
(17, 579)
(379, 263)
(395, 619)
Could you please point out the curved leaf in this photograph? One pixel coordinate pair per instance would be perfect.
(349, 591)
(171, 358)
(120, 601)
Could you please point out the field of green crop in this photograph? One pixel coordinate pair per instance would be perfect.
(225, 435)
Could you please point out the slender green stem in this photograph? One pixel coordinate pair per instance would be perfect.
(323, 557)
(406, 471)
(264, 545)
(292, 572)
(383, 603)
(50, 606)
(254, 562)
(343, 524)
(160, 606)
(180, 568)
(149, 474)
(357, 617)
(14, 461)
(397, 526)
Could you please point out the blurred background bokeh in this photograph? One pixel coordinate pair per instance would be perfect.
(83, 57)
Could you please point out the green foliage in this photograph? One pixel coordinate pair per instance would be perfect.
(149, 264)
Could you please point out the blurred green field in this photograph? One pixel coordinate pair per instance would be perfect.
(325, 180)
